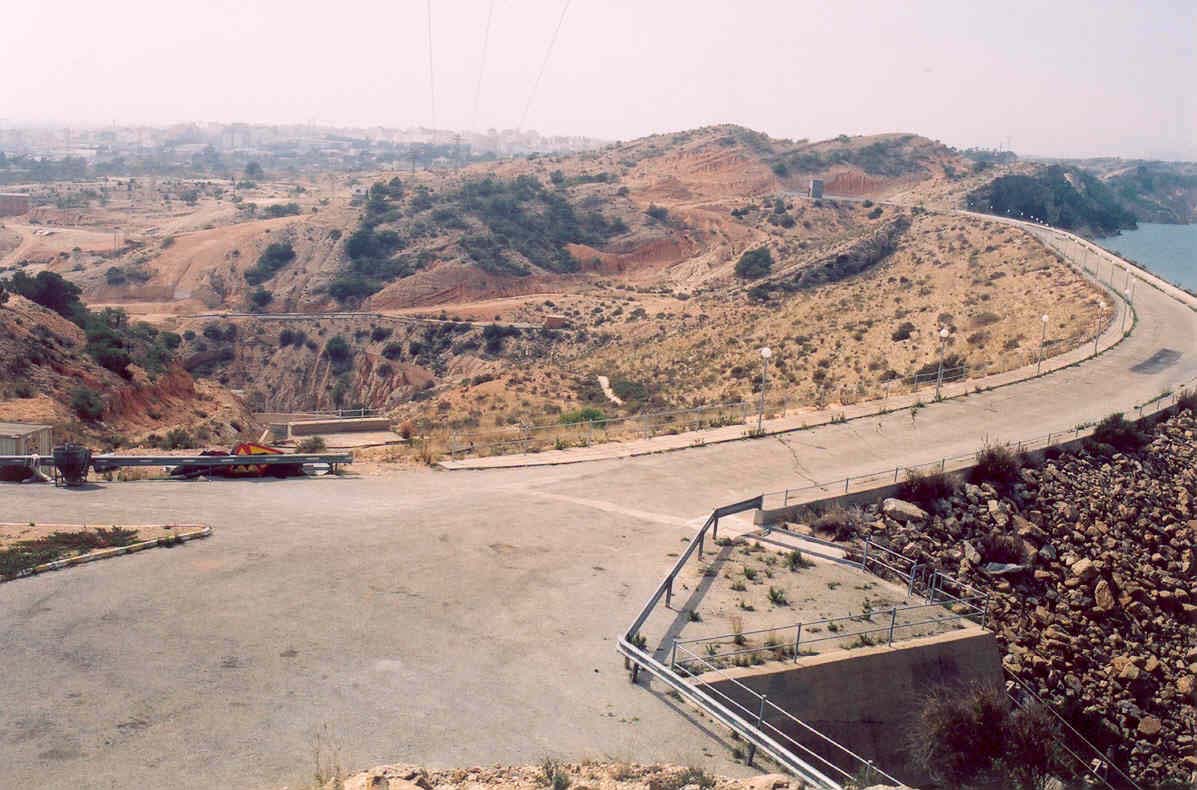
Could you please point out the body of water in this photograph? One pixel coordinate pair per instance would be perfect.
(1169, 251)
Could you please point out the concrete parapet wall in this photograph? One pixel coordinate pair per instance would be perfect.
(350, 425)
(866, 699)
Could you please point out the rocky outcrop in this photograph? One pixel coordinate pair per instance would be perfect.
(1097, 609)
(859, 256)
(44, 360)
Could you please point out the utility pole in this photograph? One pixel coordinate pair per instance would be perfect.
(943, 339)
(1042, 340)
(766, 352)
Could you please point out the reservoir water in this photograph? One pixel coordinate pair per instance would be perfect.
(1169, 251)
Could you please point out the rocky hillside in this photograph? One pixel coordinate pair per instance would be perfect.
(1153, 191)
(51, 373)
(1158, 191)
(1064, 197)
(632, 255)
(558, 776)
(1092, 560)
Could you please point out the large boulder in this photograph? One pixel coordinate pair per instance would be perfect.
(903, 511)
(1103, 596)
(1084, 569)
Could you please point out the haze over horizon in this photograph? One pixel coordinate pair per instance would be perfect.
(1070, 80)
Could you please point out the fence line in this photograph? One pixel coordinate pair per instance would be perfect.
(765, 708)
(956, 462)
(528, 437)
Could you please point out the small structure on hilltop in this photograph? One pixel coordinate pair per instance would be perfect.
(555, 322)
(22, 439)
(816, 188)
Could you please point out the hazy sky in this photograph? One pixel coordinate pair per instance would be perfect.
(1054, 78)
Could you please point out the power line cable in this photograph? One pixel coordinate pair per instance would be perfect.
(544, 64)
(431, 80)
(482, 63)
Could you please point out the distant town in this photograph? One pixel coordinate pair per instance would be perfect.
(39, 153)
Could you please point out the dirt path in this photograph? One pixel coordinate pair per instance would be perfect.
(605, 383)
(26, 244)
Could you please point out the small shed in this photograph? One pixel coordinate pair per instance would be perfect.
(816, 188)
(20, 439)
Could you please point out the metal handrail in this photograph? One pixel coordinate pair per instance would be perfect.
(629, 645)
(1092, 747)
(765, 703)
(1163, 401)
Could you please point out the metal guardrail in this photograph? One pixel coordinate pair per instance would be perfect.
(767, 714)
(364, 411)
(897, 474)
(752, 727)
(107, 463)
(29, 461)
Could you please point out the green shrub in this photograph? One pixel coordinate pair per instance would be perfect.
(339, 353)
(972, 736)
(841, 522)
(584, 414)
(998, 466)
(659, 213)
(903, 332)
(754, 264)
(177, 439)
(273, 258)
(260, 297)
(312, 444)
(86, 403)
(925, 490)
(281, 210)
(1119, 433)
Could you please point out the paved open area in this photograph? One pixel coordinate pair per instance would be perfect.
(446, 618)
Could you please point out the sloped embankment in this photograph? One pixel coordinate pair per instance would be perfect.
(859, 256)
(1092, 559)
(47, 376)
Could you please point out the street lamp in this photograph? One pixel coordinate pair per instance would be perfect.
(943, 339)
(766, 352)
(1042, 340)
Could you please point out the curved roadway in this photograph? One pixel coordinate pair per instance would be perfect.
(445, 618)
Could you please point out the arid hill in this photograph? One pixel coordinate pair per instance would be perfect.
(47, 377)
(661, 263)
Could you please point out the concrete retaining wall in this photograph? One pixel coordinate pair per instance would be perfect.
(349, 425)
(866, 698)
